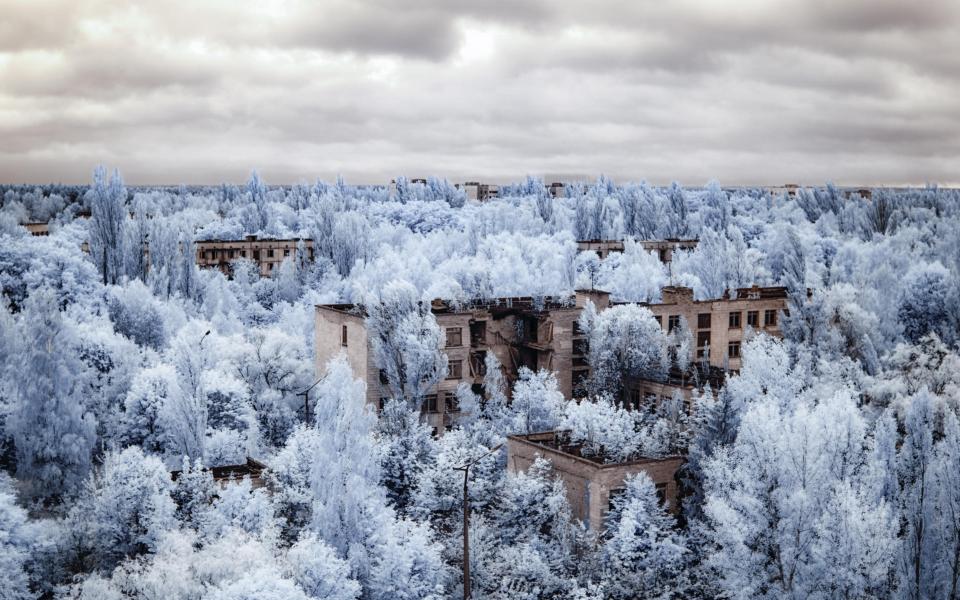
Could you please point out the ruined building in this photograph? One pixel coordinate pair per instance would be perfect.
(520, 332)
(663, 248)
(268, 254)
(591, 485)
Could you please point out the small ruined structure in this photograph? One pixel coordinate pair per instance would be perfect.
(591, 484)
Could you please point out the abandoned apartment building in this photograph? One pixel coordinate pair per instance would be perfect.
(663, 248)
(268, 254)
(591, 484)
(718, 327)
(520, 332)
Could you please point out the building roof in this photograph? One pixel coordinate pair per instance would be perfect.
(557, 442)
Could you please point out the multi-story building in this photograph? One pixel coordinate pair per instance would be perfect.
(718, 325)
(37, 229)
(663, 248)
(479, 191)
(520, 332)
(591, 485)
(268, 254)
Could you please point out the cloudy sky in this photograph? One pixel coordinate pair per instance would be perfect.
(744, 91)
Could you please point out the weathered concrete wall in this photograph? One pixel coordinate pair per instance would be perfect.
(589, 484)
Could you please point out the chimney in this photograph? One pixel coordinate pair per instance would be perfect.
(600, 298)
(676, 294)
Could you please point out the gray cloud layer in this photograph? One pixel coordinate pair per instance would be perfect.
(751, 92)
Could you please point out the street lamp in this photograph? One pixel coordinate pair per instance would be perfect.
(466, 517)
(200, 344)
(306, 399)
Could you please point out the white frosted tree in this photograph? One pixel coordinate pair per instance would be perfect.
(15, 542)
(54, 435)
(407, 342)
(389, 556)
(319, 571)
(537, 403)
(108, 214)
(125, 510)
(184, 412)
(779, 500)
(625, 341)
(644, 554)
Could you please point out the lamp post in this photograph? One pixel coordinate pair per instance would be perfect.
(306, 399)
(200, 344)
(466, 517)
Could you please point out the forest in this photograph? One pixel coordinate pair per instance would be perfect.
(827, 467)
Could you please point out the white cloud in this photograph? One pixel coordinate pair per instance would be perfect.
(749, 92)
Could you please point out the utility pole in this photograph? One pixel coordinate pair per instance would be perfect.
(466, 516)
(306, 399)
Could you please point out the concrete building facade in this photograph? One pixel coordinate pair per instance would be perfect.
(663, 248)
(591, 485)
(718, 326)
(268, 254)
(520, 332)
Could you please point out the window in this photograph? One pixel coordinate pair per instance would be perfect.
(735, 320)
(256, 255)
(662, 493)
(659, 320)
(615, 495)
(456, 369)
(673, 321)
(454, 337)
(450, 403)
(769, 318)
(634, 402)
(383, 377)
(703, 321)
(286, 252)
(703, 339)
(430, 403)
(703, 344)
(733, 350)
(270, 253)
(343, 335)
(753, 318)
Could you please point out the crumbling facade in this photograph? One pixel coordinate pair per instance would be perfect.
(663, 248)
(591, 485)
(268, 254)
(520, 332)
(718, 326)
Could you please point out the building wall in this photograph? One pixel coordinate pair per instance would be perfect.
(268, 254)
(663, 248)
(679, 302)
(548, 344)
(589, 484)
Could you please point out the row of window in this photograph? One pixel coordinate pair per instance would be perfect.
(431, 403)
(235, 253)
(704, 319)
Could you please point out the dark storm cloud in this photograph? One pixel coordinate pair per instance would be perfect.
(747, 92)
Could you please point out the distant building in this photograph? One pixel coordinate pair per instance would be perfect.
(225, 474)
(268, 254)
(591, 485)
(475, 190)
(38, 229)
(718, 325)
(663, 248)
(520, 332)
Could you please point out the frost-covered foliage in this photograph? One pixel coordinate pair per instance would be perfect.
(825, 468)
(625, 341)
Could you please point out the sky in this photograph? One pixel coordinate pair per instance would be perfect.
(748, 92)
